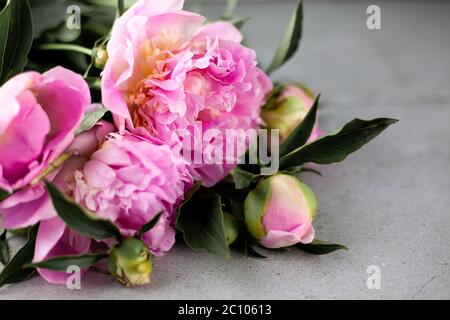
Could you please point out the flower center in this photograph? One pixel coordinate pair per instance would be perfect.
(156, 56)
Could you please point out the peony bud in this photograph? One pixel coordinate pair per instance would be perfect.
(100, 57)
(231, 227)
(279, 212)
(130, 262)
(287, 110)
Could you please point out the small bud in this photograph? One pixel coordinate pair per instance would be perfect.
(130, 262)
(287, 109)
(279, 212)
(100, 57)
(231, 227)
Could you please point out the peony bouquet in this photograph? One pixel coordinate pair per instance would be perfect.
(167, 129)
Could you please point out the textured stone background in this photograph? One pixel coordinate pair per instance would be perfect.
(389, 203)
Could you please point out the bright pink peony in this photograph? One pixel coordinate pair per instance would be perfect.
(168, 75)
(32, 205)
(128, 181)
(38, 117)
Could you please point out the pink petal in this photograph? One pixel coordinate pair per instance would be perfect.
(26, 207)
(221, 30)
(71, 79)
(24, 139)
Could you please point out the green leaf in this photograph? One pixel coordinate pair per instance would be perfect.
(91, 117)
(302, 132)
(16, 37)
(4, 194)
(63, 262)
(335, 148)
(291, 40)
(4, 249)
(201, 221)
(148, 226)
(252, 253)
(14, 270)
(320, 247)
(243, 179)
(246, 244)
(294, 171)
(80, 219)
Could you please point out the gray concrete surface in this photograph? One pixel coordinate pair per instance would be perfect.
(388, 203)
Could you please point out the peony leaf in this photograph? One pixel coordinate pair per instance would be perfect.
(15, 270)
(63, 262)
(149, 226)
(4, 194)
(320, 247)
(335, 148)
(294, 171)
(243, 179)
(91, 117)
(4, 249)
(301, 134)
(201, 221)
(80, 219)
(291, 40)
(16, 37)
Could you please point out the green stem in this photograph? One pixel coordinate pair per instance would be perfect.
(231, 7)
(120, 7)
(66, 47)
(197, 6)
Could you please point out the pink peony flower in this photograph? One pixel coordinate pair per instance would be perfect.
(32, 205)
(289, 110)
(129, 180)
(279, 212)
(169, 75)
(38, 117)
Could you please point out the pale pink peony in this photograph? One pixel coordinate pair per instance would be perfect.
(38, 118)
(129, 180)
(168, 75)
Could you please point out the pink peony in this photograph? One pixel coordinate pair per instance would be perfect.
(38, 117)
(279, 212)
(128, 181)
(32, 205)
(169, 75)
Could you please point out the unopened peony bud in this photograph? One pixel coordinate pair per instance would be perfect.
(231, 227)
(279, 212)
(100, 57)
(130, 262)
(286, 111)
